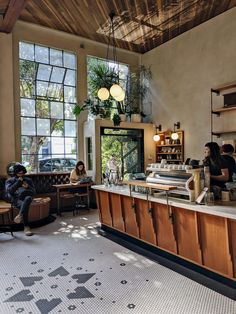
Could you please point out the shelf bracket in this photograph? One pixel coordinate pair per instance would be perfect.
(216, 113)
(216, 134)
(215, 91)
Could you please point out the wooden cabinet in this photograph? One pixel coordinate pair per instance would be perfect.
(116, 212)
(187, 234)
(223, 110)
(104, 207)
(204, 239)
(164, 228)
(129, 214)
(215, 243)
(145, 221)
(169, 149)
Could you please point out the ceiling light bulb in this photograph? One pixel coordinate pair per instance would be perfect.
(174, 136)
(121, 97)
(156, 138)
(103, 93)
(115, 90)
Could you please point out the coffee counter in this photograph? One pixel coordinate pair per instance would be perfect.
(203, 235)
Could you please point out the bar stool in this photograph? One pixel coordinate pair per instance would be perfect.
(79, 201)
(5, 211)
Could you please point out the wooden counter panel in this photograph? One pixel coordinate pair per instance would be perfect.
(116, 212)
(104, 207)
(131, 226)
(215, 244)
(232, 243)
(186, 228)
(164, 228)
(145, 222)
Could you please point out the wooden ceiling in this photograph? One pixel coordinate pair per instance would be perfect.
(139, 25)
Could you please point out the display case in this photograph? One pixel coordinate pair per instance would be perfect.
(170, 149)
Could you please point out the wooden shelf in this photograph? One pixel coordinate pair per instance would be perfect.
(221, 88)
(165, 137)
(218, 133)
(168, 145)
(167, 153)
(218, 111)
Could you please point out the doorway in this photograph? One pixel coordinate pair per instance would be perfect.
(126, 145)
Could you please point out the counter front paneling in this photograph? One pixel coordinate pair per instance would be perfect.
(203, 235)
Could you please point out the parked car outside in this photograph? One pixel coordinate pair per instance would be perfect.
(57, 164)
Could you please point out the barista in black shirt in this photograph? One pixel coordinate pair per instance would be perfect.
(219, 172)
(227, 154)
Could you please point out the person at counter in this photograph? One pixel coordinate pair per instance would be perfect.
(219, 172)
(227, 154)
(78, 173)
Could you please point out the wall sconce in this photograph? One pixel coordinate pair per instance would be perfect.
(175, 135)
(157, 137)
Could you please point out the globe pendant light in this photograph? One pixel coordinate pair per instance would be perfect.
(115, 91)
(103, 93)
(121, 97)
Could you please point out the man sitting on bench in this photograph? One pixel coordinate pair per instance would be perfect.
(19, 191)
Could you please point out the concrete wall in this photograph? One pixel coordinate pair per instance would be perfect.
(184, 71)
(9, 78)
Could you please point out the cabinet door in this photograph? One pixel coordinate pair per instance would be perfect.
(116, 212)
(104, 207)
(215, 243)
(232, 242)
(145, 222)
(186, 228)
(131, 226)
(164, 228)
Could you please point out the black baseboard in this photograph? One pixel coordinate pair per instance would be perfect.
(209, 279)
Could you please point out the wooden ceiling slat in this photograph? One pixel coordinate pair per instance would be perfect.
(149, 23)
(11, 15)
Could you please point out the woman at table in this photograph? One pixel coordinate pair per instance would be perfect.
(78, 173)
(219, 172)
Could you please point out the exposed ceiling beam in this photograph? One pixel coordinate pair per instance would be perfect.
(11, 15)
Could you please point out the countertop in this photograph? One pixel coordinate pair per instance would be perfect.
(222, 209)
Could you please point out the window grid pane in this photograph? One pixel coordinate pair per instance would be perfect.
(48, 96)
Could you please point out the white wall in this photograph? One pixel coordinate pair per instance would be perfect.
(184, 71)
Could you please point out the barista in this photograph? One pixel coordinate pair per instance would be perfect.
(219, 172)
(227, 154)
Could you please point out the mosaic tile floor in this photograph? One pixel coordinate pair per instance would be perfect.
(67, 267)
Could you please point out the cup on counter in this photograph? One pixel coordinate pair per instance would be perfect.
(209, 199)
(225, 196)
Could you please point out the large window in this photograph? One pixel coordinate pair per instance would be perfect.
(47, 100)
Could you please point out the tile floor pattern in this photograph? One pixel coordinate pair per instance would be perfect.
(66, 267)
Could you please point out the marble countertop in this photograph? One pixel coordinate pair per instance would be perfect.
(222, 209)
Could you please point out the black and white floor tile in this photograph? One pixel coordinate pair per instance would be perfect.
(67, 267)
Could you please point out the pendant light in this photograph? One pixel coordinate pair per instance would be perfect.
(115, 91)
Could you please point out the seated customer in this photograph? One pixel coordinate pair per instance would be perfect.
(219, 172)
(78, 173)
(19, 191)
(227, 154)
